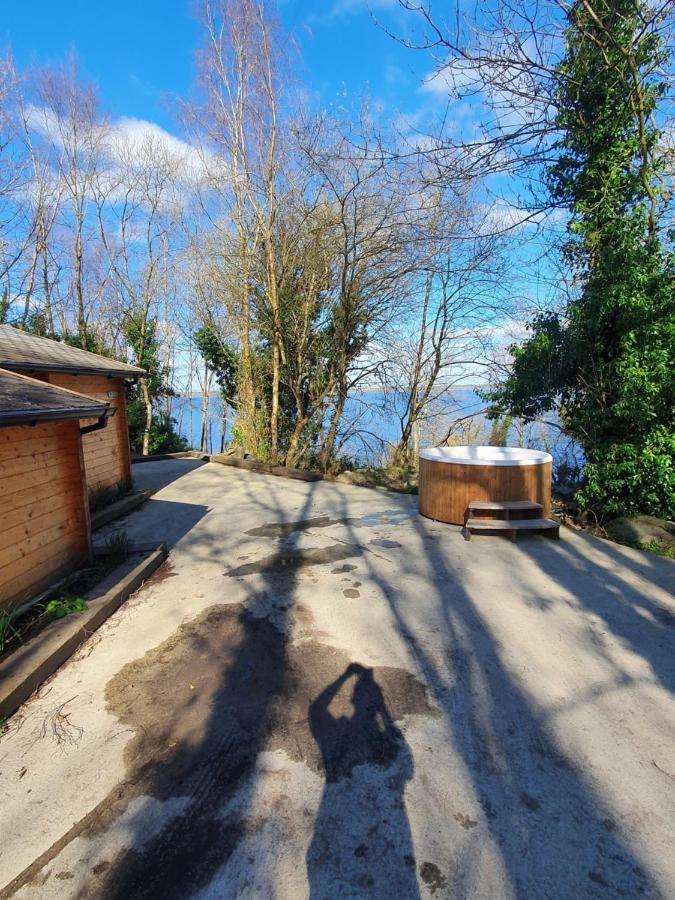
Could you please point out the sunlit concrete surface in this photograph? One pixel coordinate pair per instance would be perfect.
(324, 695)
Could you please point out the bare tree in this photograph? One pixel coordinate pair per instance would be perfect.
(13, 175)
(368, 204)
(69, 117)
(240, 123)
(139, 212)
(441, 342)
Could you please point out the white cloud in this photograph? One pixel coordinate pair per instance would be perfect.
(126, 144)
(137, 132)
(451, 80)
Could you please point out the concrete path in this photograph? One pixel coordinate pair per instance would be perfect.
(323, 695)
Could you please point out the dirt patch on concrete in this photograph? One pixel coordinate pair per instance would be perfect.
(432, 876)
(202, 706)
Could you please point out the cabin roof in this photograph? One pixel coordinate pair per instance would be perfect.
(26, 401)
(24, 352)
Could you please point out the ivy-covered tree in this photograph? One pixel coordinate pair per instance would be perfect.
(223, 360)
(607, 362)
(151, 429)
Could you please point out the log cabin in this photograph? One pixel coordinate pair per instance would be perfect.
(44, 512)
(107, 457)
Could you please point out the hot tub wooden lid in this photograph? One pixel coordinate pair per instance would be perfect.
(486, 456)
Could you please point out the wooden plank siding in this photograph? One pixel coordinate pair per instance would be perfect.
(107, 457)
(44, 515)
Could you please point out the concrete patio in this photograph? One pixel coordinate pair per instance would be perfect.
(322, 694)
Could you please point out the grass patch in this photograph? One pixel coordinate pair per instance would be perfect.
(100, 497)
(658, 547)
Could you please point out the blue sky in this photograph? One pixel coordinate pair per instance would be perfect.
(140, 52)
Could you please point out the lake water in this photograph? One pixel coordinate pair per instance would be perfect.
(372, 426)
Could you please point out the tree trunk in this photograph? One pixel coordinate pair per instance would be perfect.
(223, 427)
(147, 403)
(276, 339)
(79, 295)
(205, 413)
(47, 290)
(328, 449)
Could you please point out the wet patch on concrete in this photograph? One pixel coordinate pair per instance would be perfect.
(282, 530)
(387, 517)
(340, 570)
(351, 593)
(202, 706)
(386, 543)
(297, 559)
(285, 529)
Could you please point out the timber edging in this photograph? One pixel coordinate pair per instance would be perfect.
(262, 468)
(119, 508)
(183, 454)
(30, 665)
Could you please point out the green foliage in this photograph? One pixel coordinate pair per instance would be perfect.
(163, 435)
(141, 334)
(4, 305)
(8, 628)
(606, 363)
(632, 478)
(117, 548)
(102, 496)
(36, 323)
(220, 357)
(499, 431)
(90, 341)
(63, 606)
(658, 548)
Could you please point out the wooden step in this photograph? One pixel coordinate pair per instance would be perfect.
(511, 527)
(503, 505)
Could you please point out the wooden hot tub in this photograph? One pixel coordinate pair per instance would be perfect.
(451, 477)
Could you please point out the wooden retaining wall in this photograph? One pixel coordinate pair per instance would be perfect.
(107, 457)
(44, 514)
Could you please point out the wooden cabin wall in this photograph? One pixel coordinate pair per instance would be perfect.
(44, 515)
(107, 457)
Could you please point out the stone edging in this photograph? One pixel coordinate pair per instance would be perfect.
(25, 670)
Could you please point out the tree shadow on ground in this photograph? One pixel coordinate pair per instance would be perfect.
(592, 578)
(537, 806)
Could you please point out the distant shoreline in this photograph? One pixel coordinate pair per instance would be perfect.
(366, 390)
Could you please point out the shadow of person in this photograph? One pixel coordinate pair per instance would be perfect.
(361, 841)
